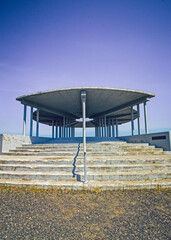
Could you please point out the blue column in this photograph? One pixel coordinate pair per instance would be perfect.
(132, 120)
(37, 124)
(24, 120)
(138, 119)
(145, 117)
(117, 133)
(105, 133)
(113, 128)
(56, 129)
(52, 128)
(31, 121)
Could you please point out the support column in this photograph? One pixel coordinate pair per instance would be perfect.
(52, 128)
(60, 134)
(37, 124)
(83, 98)
(56, 130)
(72, 135)
(31, 121)
(109, 127)
(108, 130)
(24, 120)
(63, 126)
(117, 133)
(145, 117)
(113, 128)
(102, 127)
(95, 131)
(105, 132)
(99, 132)
(132, 120)
(138, 119)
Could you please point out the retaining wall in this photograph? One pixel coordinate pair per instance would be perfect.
(10, 142)
(160, 140)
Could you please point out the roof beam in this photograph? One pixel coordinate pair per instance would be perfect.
(123, 106)
(47, 109)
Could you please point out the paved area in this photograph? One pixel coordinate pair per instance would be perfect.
(56, 214)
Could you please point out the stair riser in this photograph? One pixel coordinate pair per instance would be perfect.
(67, 177)
(93, 149)
(63, 162)
(69, 168)
(57, 154)
(46, 149)
(128, 177)
(81, 187)
(92, 162)
(39, 169)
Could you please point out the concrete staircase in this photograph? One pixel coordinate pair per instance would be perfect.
(110, 165)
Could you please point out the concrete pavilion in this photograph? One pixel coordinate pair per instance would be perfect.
(105, 108)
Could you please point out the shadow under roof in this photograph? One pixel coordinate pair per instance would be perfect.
(100, 101)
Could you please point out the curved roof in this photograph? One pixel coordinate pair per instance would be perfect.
(100, 101)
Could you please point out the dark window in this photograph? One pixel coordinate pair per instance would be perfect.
(158, 137)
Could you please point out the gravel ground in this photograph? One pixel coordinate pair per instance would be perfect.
(56, 214)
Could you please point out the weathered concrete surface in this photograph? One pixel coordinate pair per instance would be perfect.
(9, 142)
(147, 138)
(110, 165)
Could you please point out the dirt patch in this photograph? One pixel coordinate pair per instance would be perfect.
(56, 214)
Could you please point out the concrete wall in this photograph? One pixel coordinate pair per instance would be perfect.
(160, 140)
(10, 142)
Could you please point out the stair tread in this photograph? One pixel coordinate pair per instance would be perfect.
(88, 165)
(89, 183)
(88, 173)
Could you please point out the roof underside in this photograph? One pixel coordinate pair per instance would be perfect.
(99, 102)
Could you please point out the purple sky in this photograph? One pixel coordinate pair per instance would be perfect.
(51, 44)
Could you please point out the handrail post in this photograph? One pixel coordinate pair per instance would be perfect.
(83, 98)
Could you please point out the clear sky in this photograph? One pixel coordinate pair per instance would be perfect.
(51, 44)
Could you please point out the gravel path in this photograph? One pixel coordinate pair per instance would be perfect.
(56, 214)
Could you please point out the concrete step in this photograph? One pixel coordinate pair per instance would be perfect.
(80, 167)
(30, 175)
(62, 151)
(95, 176)
(90, 185)
(38, 162)
(95, 160)
(13, 153)
(51, 145)
(129, 176)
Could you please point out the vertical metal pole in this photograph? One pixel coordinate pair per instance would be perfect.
(132, 120)
(24, 120)
(145, 117)
(117, 128)
(138, 119)
(52, 128)
(83, 97)
(37, 124)
(31, 121)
